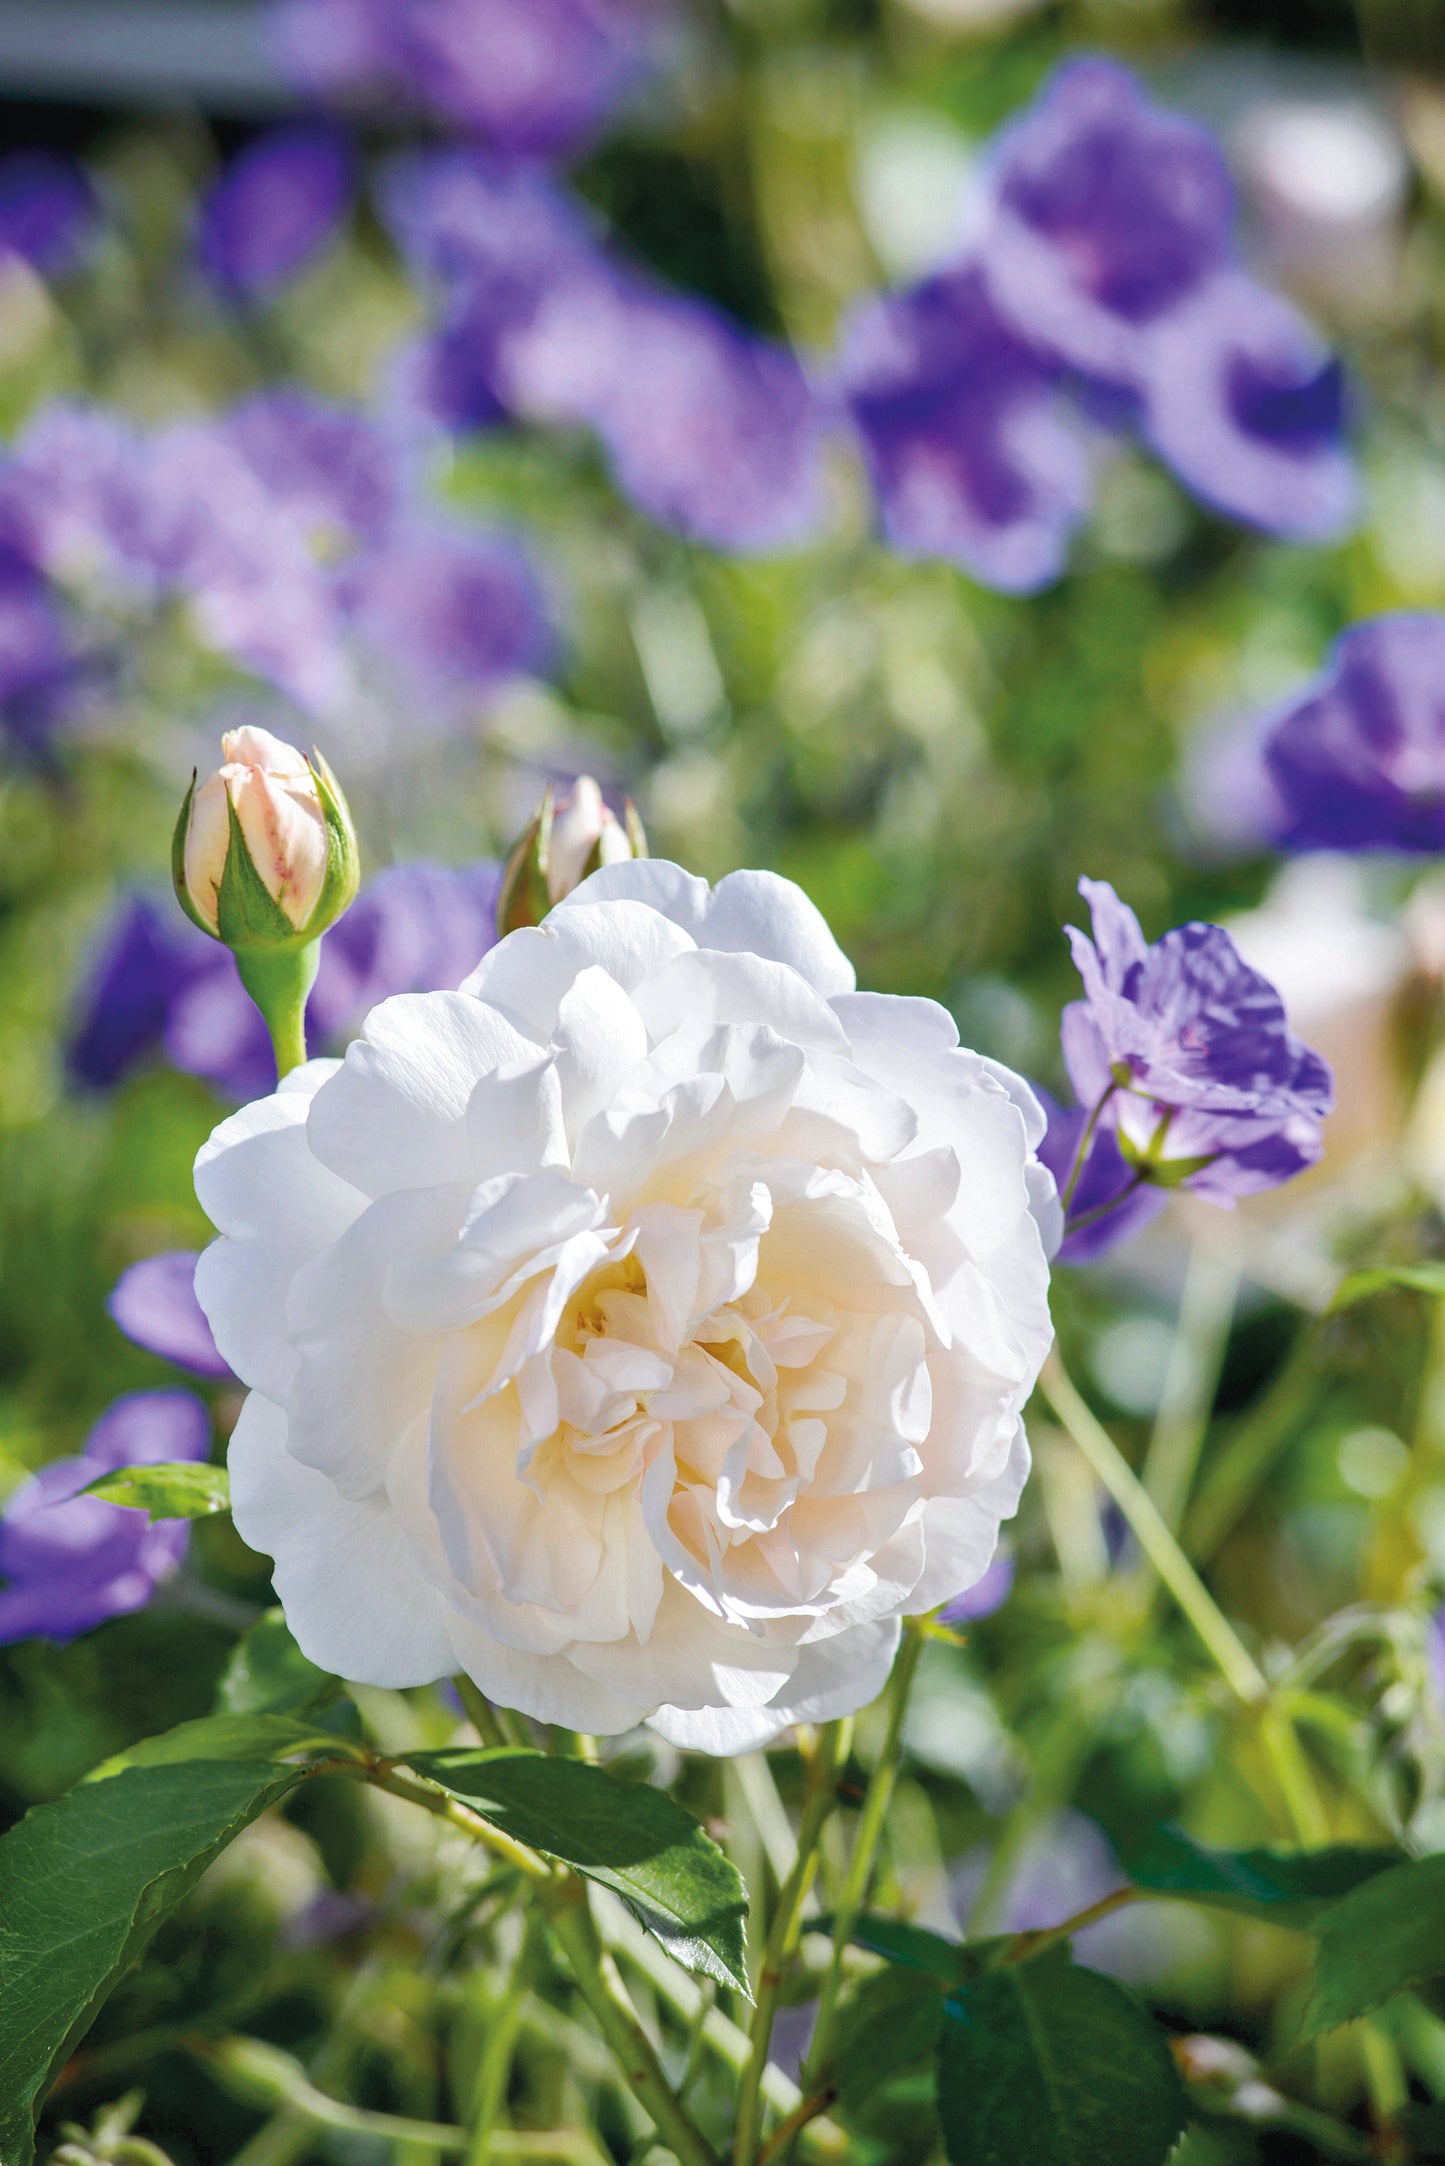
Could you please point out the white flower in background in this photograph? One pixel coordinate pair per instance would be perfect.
(643, 1329)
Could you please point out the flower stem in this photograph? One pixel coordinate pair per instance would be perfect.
(1237, 1666)
(598, 1980)
(480, 1713)
(489, 2094)
(876, 1801)
(819, 1800)
(1084, 1141)
(279, 981)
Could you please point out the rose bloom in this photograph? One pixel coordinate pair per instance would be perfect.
(643, 1329)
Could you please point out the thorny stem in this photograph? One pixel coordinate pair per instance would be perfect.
(563, 1897)
(876, 1801)
(783, 1928)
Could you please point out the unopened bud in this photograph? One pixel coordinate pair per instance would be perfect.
(264, 858)
(264, 852)
(560, 848)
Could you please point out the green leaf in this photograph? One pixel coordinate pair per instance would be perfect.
(1047, 2062)
(172, 1489)
(1287, 1888)
(627, 1836)
(84, 1883)
(225, 1737)
(890, 2020)
(1424, 1278)
(268, 1674)
(913, 1946)
(1387, 1934)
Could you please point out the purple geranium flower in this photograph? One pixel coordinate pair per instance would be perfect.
(448, 610)
(534, 76)
(160, 985)
(72, 1561)
(1247, 404)
(42, 677)
(329, 465)
(1184, 1053)
(1358, 762)
(275, 208)
(962, 432)
(47, 210)
(1104, 215)
(155, 1304)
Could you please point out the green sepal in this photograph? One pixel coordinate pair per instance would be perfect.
(247, 913)
(636, 832)
(178, 861)
(523, 898)
(343, 861)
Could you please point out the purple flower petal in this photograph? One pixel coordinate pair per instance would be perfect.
(275, 208)
(1358, 763)
(1210, 1087)
(47, 210)
(966, 444)
(327, 464)
(1247, 405)
(1108, 1204)
(535, 76)
(70, 1561)
(1105, 214)
(449, 610)
(985, 1595)
(155, 1304)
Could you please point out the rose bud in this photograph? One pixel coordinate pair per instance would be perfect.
(264, 858)
(559, 849)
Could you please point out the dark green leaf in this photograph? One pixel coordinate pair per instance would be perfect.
(890, 2020)
(627, 1836)
(910, 1945)
(1424, 1278)
(1045, 2064)
(84, 1883)
(1287, 1888)
(1386, 1935)
(225, 1737)
(268, 1674)
(170, 1490)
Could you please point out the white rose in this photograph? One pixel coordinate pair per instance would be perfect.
(643, 1329)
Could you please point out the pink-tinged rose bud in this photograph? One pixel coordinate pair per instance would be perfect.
(278, 806)
(560, 848)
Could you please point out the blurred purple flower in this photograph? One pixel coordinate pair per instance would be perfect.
(74, 497)
(161, 986)
(985, 1595)
(43, 679)
(1063, 1866)
(961, 427)
(711, 431)
(155, 1304)
(535, 76)
(1186, 1054)
(275, 208)
(448, 610)
(1104, 214)
(47, 210)
(72, 1561)
(1106, 1203)
(1358, 762)
(1247, 404)
(329, 465)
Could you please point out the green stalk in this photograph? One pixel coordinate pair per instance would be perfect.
(489, 2093)
(279, 981)
(480, 1713)
(1236, 1665)
(783, 1930)
(854, 1891)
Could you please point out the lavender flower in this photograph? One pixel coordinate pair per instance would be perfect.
(961, 429)
(1247, 405)
(71, 1561)
(47, 210)
(1358, 762)
(42, 676)
(328, 465)
(1104, 215)
(155, 1304)
(1182, 1052)
(534, 76)
(160, 986)
(275, 208)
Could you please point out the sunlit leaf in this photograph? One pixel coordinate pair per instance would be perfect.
(176, 1489)
(1423, 1278)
